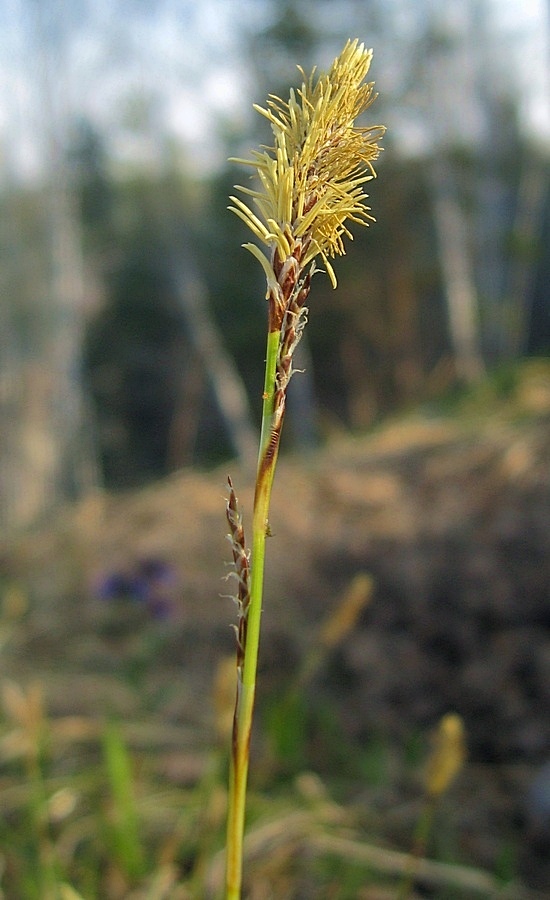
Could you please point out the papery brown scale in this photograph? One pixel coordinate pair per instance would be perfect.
(310, 203)
(277, 262)
(288, 277)
(297, 250)
(276, 310)
(303, 293)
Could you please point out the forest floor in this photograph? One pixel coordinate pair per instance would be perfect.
(116, 609)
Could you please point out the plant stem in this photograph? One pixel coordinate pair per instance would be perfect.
(246, 687)
(262, 496)
(311, 184)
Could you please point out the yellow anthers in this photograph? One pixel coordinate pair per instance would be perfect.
(448, 755)
(311, 180)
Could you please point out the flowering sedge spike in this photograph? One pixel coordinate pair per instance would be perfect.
(311, 180)
(343, 618)
(309, 193)
(448, 755)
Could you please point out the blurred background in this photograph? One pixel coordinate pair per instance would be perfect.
(132, 322)
(410, 568)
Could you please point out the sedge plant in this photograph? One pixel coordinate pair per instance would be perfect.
(309, 189)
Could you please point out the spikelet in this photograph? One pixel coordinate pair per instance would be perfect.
(240, 571)
(448, 755)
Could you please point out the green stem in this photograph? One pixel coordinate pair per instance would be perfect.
(421, 835)
(262, 496)
(244, 712)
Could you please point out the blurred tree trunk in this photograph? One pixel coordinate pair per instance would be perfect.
(457, 273)
(184, 426)
(66, 411)
(450, 66)
(75, 469)
(533, 195)
(12, 394)
(50, 453)
(225, 381)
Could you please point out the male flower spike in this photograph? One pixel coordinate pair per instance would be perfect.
(311, 180)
